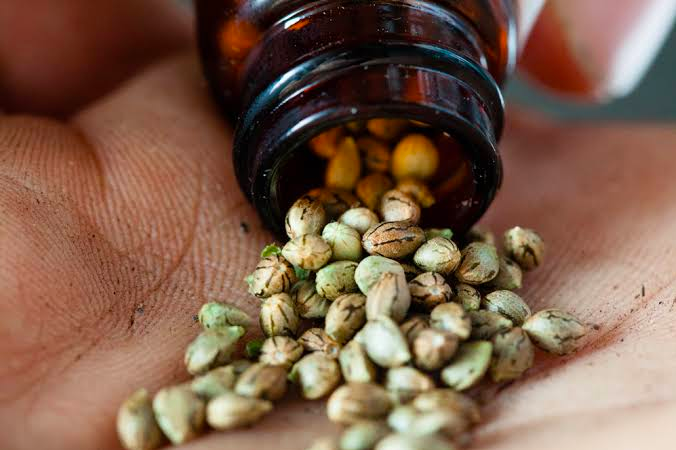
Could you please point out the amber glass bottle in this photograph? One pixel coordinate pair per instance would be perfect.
(286, 70)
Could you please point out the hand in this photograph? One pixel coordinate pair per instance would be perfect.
(118, 221)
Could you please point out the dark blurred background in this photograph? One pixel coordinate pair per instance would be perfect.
(654, 99)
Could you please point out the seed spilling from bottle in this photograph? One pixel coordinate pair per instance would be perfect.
(360, 288)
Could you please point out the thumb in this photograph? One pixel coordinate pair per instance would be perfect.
(597, 49)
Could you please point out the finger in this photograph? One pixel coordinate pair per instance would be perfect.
(56, 56)
(596, 49)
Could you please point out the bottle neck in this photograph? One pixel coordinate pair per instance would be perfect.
(403, 59)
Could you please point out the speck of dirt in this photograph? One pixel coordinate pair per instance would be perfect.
(244, 227)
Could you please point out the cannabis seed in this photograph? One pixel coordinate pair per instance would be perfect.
(273, 275)
(317, 375)
(412, 327)
(525, 247)
(372, 187)
(395, 206)
(438, 255)
(508, 304)
(344, 168)
(431, 233)
(306, 216)
(217, 316)
(405, 383)
(452, 317)
(325, 145)
(389, 297)
(361, 219)
(467, 296)
(354, 402)
(324, 443)
(433, 348)
(334, 201)
(398, 441)
(371, 268)
(336, 279)
(136, 426)
(418, 190)
(486, 324)
(480, 234)
(179, 413)
(309, 252)
(278, 316)
(376, 154)
(429, 290)
(212, 348)
(345, 242)
(316, 340)
(386, 129)
(384, 343)
(346, 316)
(479, 264)
(262, 381)
(450, 400)
(280, 351)
(509, 276)
(355, 364)
(231, 410)
(215, 382)
(555, 331)
(309, 304)
(469, 365)
(393, 239)
(415, 156)
(363, 435)
(512, 355)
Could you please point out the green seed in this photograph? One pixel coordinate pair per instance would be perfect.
(355, 402)
(309, 304)
(316, 340)
(397, 441)
(215, 382)
(389, 297)
(429, 290)
(270, 250)
(345, 242)
(363, 435)
(280, 351)
(216, 316)
(433, 348)
(309, 252)
(486, 324)
(306, 216)
(179, 413)
(525, 247)
(393, 239)
(431, 233)
(452, 317)
(395, 206)
(272, 275)
(252, 350)
(262, 381)
(346, 316)
(317, 375)
(278, 316)
(512, 355)
(509, 276)
(361, 219)
(384, 342)
(412, 327)
(371, 268)
(438, 255)
(229, 410)
(355, 364)
(468, 366)
(212, 349)
(555, 331)
(405, 383)
(508, 304)
(136, 426)
(479, 264)
(467, 296)
(336, 279)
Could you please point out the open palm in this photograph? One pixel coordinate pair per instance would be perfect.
(119, 221)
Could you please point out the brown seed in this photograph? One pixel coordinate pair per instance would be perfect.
(512, 355)
(480, 234)
(410, 271)
(418, 190)
(136, 426)
(356, 126)
(361, 219)
(278, 316)
(230, 410)
(309, 252)
(347, 314)
(452, 317)
(509, 275)
(429, 290)
(334, 201)
(479, 264)
(412, 327)
(317, 375)
(393, 239)
(344, 168)
(389, 297)
(309, 304)
(325, 145)
(433, 348)
(448, 399)
(179, 413)
(316, 340)
(280, 351)
(408, 420)
(405, 383)
(525, 247)
(376, 154)
(395, 206)
(355, 402)
(306, 216)
(355, 364)
(386, 129)
(438, 255)
(273, 275)
(486, 324)
(415, 156)
(371, 188)
(555, 331)
(262, 381)
(508, 304)
(467, 296)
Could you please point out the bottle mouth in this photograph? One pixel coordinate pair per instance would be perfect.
(457, 99)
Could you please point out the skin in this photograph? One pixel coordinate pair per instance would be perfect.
(120, 216)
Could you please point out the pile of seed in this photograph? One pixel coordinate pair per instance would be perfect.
(391, 322)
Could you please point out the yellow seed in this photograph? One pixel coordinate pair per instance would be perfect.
(376, 154)
(418, 190)
(344, 167)
(371, 189)
(325, 145)
(415, 156)
(387, 129)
